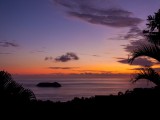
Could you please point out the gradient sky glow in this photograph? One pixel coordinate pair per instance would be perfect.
(33, 33)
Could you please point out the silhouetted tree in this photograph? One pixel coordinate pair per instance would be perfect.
(149, 74)
(150, 49)
(10, 90)
(154, 21)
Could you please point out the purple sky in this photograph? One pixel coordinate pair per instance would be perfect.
(80, 35)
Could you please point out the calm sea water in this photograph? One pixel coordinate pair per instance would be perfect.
(80, 87)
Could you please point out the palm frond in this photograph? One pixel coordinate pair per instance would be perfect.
(150, 17)
(11, 89)
(149, 50)
(154, 21)
(151, 22)
(153, 37)
(5, 79)
(149, 74)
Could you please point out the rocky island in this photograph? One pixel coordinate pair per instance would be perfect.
(47, 84)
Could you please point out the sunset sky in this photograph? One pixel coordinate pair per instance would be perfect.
(72, 36)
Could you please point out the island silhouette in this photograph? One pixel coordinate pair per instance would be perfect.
(48, 84)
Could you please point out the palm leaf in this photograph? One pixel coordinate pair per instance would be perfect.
(154, 21)
(149, 50)
(152, 37)
(10, 89)
(151, 22)
(149, 74)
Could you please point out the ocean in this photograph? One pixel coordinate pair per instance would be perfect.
(86, 87)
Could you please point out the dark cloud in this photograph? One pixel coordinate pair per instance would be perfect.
(156, 69)
(95, 55)
(138, 61)
(67, 57)
(136, 68)
(37, 51)
(94, 71)
(134, 33)
(74, 75)
(64, 68)
(63, 58)
(108, 20)
(8, 44)
(48, 58)
(90, 11)
(40, 51)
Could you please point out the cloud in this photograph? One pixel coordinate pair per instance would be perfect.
(8, 44)
(64, 68)
(74, 75)
(67, 57)
(92, 12)
(93, 55)
(138, 61)
(48, 58)
(95, 71)
(63, 58)
(37, 51)
(156, 69)
(96, 55)
(134, 33)
(5, 53)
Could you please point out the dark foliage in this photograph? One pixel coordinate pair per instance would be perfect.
(12, 91)
(152, 49)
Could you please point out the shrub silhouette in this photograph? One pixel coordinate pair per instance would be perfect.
(151, 49)
(12, 91)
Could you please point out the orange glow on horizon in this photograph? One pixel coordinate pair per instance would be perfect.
(110, 69)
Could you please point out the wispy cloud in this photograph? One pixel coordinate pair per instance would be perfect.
(8, 44)
(67, 57)
(134, 33)
(48, 58)
(138, 61)
(91, 11)
(63, 58)
(5, 53)
(64, 68)
(93, 55)
(156, 69)
(96, 55)
(37, 51)
(76, 75)
(95, 71)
